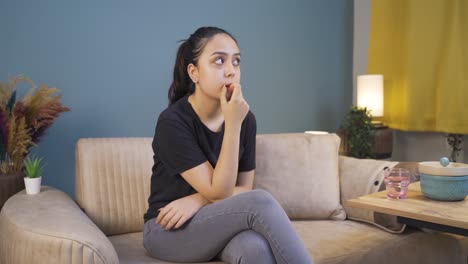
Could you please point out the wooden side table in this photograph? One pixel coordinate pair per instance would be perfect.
(418, 210)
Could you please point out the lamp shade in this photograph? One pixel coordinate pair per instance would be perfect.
(370, 93)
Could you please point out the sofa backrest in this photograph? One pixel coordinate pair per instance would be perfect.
(112, 181)
(301, 171)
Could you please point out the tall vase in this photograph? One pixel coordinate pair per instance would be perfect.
(10, 184)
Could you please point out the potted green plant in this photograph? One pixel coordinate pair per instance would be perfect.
(33, 168)
(357, 133)
(455, 142)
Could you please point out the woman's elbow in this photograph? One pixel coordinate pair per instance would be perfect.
(217, 195)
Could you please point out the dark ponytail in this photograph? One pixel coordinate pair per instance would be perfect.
(181, 84)
(189, 52)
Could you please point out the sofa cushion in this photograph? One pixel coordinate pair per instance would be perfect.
(333, 242)
(112, 181)
(301, 171)
(130, 250)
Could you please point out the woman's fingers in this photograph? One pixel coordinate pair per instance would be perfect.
(167, 218)
(173, 221)
(223, 97)
(170, 218)
(162, 212)
(181, 221)
(228, 93)
(236, 90)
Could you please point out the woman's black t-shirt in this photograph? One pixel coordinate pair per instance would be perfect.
(181, 142)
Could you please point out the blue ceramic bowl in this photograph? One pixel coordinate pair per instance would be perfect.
(444, 188)
(443, 180)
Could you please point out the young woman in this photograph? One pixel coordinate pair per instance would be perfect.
(202, 206)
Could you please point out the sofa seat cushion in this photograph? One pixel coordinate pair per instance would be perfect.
(344, 242)
(355, 242)
(130, 249)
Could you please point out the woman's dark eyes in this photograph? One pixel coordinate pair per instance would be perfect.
(220, 61)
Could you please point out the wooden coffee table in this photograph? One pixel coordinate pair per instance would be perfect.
(418, 210)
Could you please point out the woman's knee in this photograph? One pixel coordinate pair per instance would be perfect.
(148, 239)
(259, 203)
(261, 197)
(258, 249)
(248, 247)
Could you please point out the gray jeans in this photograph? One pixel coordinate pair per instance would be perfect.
(250, 227)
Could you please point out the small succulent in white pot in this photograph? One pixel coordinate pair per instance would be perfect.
(33, 169)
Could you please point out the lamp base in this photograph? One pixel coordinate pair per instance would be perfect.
(378, 124)
(383, 141)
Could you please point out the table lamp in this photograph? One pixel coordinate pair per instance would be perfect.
(370, 95)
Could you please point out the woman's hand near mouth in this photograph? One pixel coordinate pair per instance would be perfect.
(233, 104)
(229, 87)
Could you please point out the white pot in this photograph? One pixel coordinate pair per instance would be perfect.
(33, 185)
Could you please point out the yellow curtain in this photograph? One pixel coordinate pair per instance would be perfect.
(421, 48)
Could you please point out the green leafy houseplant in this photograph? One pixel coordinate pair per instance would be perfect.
(358, 132)
(455, 142)
(24, 122)
(33, 167)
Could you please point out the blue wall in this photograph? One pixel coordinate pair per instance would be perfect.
(113, 62)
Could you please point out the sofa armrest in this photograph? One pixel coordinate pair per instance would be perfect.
(361, 176)
(49, 227)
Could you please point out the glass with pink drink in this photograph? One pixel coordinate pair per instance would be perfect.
(396, 183)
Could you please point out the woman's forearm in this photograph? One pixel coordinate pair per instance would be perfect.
(202, 201)
(237, 190)
(225, 172)
(240, 189)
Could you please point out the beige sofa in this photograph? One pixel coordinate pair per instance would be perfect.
(303, 172)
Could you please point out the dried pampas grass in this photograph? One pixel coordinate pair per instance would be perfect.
(23, 123)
